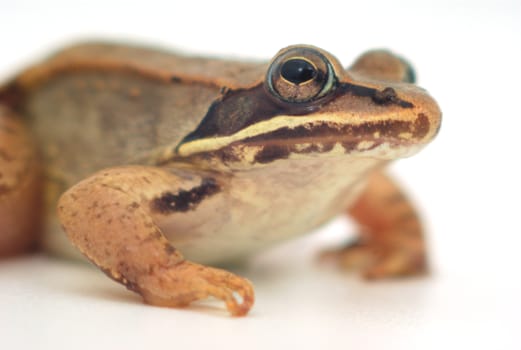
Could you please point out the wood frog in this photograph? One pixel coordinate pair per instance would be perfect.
(163, 166)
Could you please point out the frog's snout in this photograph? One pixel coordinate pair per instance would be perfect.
(428, 120)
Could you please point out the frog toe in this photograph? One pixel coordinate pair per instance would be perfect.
(353, 256)
(376, 260)
(184, 283)
(396, 264)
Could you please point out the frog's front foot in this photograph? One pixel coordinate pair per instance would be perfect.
(112, 218)
(183, 283)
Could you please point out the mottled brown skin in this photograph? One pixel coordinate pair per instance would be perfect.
(163, 156)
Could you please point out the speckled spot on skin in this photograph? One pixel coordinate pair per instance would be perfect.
(4, 189)
(134, 92)
(169, 249)
(4, 156)
(133, 206)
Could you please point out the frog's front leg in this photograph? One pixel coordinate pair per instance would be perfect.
(391, 242)
(20, 186)
(112, 218)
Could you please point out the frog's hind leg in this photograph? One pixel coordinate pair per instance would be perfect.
(114, 219)
(391, 243)
(20, 186)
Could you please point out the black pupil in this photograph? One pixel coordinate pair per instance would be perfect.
(297, 71)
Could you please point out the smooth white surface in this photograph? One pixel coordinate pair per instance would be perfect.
(466, 183)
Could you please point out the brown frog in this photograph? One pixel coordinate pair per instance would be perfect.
(161, 165)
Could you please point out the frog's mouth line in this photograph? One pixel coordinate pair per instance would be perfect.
(326, 131)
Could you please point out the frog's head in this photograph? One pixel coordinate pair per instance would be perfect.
(308, 105)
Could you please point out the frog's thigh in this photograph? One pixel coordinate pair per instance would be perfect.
(110, 217)
(20, 190)
(391, 243)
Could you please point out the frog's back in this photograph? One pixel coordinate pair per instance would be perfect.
(99, 105)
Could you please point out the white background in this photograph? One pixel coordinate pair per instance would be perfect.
(467, 54)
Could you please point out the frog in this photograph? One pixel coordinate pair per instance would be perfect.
(161, 168)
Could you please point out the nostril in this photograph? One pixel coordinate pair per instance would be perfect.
(389, 96)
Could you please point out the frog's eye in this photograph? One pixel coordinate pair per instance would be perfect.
(300, 75)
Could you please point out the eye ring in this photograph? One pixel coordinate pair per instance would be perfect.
(300, 74)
